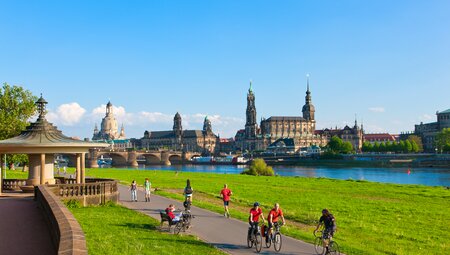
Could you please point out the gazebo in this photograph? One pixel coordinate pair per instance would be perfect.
(41, 140)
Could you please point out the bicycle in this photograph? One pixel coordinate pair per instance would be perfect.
(275, 237)
(184, 223)
(333, 247)
(255, 238)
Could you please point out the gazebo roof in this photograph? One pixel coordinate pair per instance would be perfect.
(43, 137)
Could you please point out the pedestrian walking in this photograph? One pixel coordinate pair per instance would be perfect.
(147, 186)
(64, 169)
(133, 189)
(226, 194)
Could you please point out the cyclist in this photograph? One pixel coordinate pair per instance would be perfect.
(330, 227)
(273, 218)
(253, 218)
(188, 191)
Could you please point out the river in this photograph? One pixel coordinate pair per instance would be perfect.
(424, 176)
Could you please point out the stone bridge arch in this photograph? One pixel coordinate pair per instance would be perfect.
(151, 158)
(118, 159)
(175, 159)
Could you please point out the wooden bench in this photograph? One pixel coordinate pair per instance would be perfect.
(166, 218)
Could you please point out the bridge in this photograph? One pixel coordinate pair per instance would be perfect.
(131, 158)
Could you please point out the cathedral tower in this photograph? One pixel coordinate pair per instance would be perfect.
(250, 124)
(207, 128)
(177, 128)
(308, 109)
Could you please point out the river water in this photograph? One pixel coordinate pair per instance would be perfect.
(424, 176)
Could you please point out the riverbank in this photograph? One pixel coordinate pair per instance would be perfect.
(372, 218)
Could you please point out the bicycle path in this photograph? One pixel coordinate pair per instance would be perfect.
(229, 235)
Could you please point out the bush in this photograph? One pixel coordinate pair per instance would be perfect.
(72, 203)
(259, 167)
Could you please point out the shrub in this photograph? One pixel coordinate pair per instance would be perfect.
(259, 167)
(72, 203)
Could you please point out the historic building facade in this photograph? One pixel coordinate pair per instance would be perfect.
(428, 131)
(354, 135)
(203, 141)
(109, 128)
(300, 128)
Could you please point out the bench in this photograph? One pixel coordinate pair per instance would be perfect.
(164, 218)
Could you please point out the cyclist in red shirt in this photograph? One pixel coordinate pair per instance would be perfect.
(226, 194)
(253, 218)
(273, 217)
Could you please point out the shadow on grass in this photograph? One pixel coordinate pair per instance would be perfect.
(138, 226)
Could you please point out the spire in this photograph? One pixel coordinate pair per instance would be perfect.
(250, 90)
(356, 122)
(307, 82)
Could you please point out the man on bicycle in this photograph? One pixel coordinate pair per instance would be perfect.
(329, 221)
(273, 218)
(253, 218)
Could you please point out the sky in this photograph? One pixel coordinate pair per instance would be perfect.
(385, 63)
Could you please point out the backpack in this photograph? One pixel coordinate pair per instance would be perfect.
(188, 190)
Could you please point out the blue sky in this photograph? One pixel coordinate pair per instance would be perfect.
(386, 61)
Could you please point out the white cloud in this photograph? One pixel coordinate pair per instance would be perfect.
(377, 109)
(67, 114)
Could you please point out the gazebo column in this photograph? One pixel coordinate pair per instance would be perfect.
(42, 173)
(83, 167)
(78, 169)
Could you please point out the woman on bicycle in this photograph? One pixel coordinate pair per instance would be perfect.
(188, 191)
(253, 218)
(330, 226)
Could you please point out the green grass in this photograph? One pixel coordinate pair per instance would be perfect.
(117, 230)
(372, 218)
(16, 174)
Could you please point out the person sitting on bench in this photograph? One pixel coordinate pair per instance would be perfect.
(172, 216)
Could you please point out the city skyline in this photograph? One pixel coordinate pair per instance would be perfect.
(385, 62)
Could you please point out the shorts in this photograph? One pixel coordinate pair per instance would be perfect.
(147, 192)
(328, 233)
(226, 203)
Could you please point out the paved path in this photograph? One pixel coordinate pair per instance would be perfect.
(229, 235)
(22, 227)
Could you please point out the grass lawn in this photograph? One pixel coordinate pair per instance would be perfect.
(115, 229)
(372, 218)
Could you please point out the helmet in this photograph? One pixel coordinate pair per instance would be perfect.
(256, 204)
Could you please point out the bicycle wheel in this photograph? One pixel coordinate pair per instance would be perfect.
(178, 227)
(268, 241)
(249, 241)
(333, 248)
(318, 245)
(258, 242)
(277, 242)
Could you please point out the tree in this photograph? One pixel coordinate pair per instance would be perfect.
(346, 147)
(401, 146)
(408, 146)
(335, 144)
(383, 147)
(259, 167)
(443, 140)
(376, 147)
(367, 147)
(17, 106)
(418, 142)
(415, 147)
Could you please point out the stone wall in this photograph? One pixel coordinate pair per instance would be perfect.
(66, 232)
